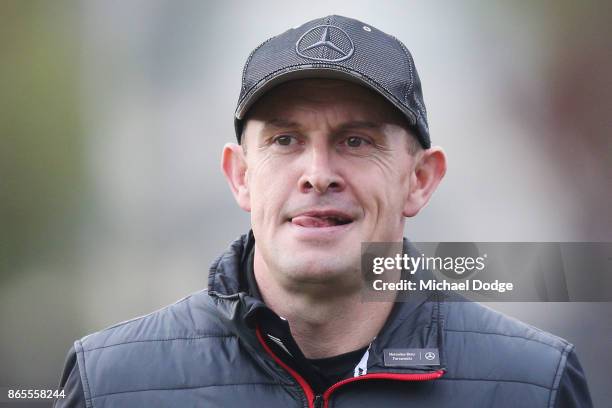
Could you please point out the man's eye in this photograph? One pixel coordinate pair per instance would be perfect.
(284, 140)
(355, 141)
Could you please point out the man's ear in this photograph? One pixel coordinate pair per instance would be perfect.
(234, 166)
(426, 175)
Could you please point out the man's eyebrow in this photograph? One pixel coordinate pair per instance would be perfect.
(280, 123)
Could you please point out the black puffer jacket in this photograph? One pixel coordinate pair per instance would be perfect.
(207, 351)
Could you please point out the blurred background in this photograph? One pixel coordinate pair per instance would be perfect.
(113, 115)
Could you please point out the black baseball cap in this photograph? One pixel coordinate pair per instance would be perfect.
(337, 47)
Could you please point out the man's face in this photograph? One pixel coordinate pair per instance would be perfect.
(328, 167)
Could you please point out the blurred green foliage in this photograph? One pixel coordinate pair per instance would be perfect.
(41, 143)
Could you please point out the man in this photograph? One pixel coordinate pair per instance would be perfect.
(334, 152)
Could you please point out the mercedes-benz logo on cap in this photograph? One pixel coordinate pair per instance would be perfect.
(326, 43)
(430, 355)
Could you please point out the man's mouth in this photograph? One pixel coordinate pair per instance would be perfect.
(321, 219)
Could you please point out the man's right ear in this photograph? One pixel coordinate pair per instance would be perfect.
(234, 166)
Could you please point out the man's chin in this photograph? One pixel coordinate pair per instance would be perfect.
(323, 261)
(330, 270)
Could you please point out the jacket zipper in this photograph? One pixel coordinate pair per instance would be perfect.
(381, 376)
(322, 401)
(310, 395)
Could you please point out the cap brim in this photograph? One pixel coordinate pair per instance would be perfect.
(316, 72)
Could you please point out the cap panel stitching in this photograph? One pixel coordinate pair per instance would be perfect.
(422, 110)
(410, 65)
(248, 61)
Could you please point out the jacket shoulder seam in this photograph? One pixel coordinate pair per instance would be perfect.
(558, 375)
(511, 336)
(78, 347)
(205, 336)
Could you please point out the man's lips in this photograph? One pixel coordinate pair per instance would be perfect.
(321, 219)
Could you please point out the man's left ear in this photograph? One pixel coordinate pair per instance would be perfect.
(425, 177)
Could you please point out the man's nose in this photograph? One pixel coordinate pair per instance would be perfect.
(321, 175)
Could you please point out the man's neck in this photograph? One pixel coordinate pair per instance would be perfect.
(323, 326)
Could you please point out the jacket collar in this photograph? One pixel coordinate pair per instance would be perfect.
(416, 322)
